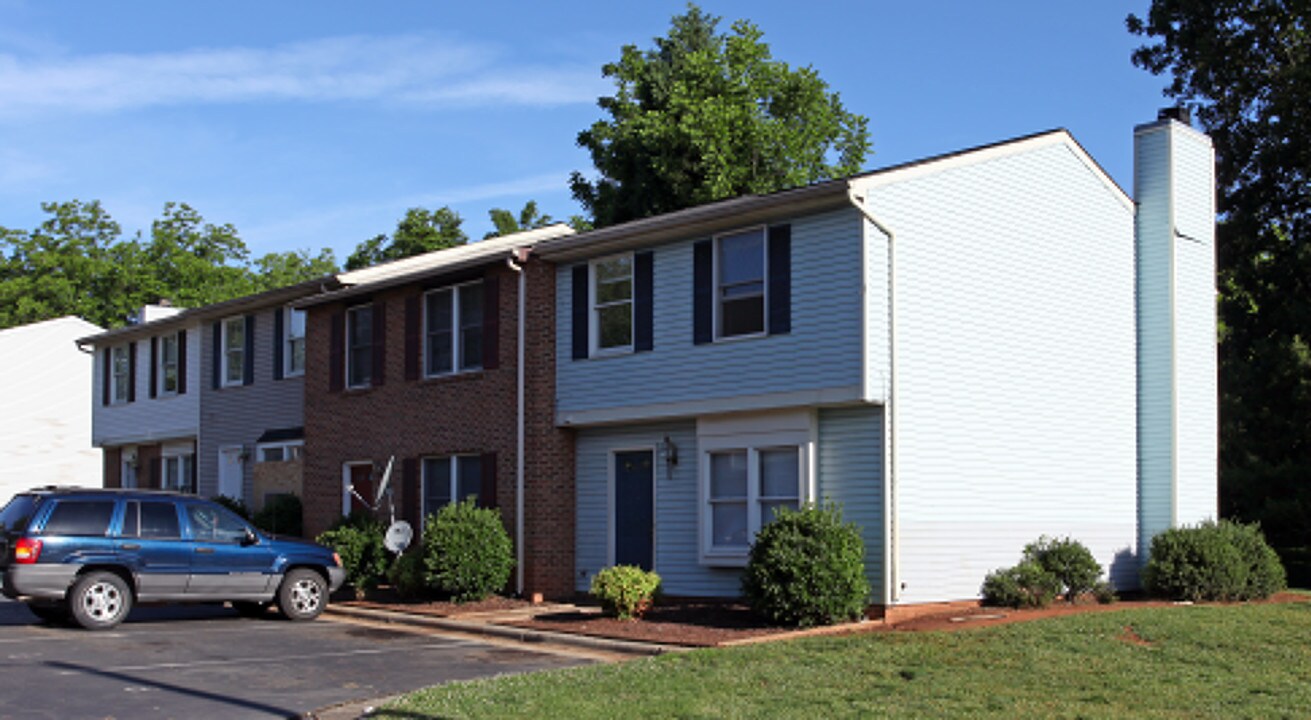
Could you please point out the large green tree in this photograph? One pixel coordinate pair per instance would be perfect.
(507, 223)
(704, 116)
(1245, 66)
(418, 232)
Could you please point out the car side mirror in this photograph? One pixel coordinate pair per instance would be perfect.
(250, 538)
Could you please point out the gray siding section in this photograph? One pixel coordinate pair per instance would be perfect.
(240, 415)
(676, 506)
(823, 351)
(850, 469)
(1015, 395)
(148, 420)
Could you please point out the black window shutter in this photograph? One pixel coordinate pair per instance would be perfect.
(132, 372)
(411, 500)
(106, 375)
(154, 365)
(643, 310)
(487, 492)
(703, 292)
(182, 362)
(218, 355)
(192, 475)
(278, 343)
(581, 312)
(780, 280)
(248, 369)
(491, 323)
(379, 343)
(413, 348)
(336, 352)
(156, 473)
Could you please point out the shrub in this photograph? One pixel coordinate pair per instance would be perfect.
(282, 514)
(1069, 561)
(408, 575)
(625, 591)
(807, 568)
(358, 540)
(1213, 561)
(467, 552)
(1025, 585)
(1104, 592)
(236, 505)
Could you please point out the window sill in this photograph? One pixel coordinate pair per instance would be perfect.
(738, 338)
(454, 377)
(610, 353)
(727, 559)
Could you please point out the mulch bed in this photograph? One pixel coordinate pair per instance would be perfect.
(686, 623)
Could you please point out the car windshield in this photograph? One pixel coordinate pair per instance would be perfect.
(17, 512)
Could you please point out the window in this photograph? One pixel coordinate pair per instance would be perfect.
(121, 371)
(450, 479)
(453, 329)
(151, 520)
(740, 283)
(234, 351)
(280, 452)
(169, 373)
(179, 472)
(359, 346)
(80, 517)
(612, 304)
(294, 343)
(210, 523)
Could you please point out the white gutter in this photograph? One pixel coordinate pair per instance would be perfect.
(891, 585)
(521, 255)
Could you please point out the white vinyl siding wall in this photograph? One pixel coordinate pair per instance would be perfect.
(1015, 365)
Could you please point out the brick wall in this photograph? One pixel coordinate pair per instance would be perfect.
(468, 413)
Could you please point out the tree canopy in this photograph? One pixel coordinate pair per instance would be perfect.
(1245, 66)
(418, 232)
(704, 116)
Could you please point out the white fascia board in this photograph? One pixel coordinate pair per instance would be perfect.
(452, 257)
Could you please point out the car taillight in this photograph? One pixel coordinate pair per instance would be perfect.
(26, 551)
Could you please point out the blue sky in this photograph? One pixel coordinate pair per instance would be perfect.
(316, 124)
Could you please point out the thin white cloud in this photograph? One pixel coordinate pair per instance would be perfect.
(359, 68)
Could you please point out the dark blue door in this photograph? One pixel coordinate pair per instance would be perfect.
(634, 509)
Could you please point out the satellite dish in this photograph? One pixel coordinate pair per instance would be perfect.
(398, 536)
(382, 486)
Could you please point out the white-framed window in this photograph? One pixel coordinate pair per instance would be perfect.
(281, 451)
(234, 351)
(453, 329)
(169, 374)
(748, 469)
(740, 286)
(450, 479)
(359, 346)
(178, 472)
(120, 364)
(293, 351)
(611, 295)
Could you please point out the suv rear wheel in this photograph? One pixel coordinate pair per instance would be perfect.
(99, 600)
(302, 595)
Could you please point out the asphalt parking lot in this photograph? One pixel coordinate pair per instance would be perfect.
(207, 662)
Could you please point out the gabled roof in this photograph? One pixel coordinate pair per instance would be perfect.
(750, 209)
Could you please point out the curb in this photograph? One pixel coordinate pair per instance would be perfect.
(523, 635)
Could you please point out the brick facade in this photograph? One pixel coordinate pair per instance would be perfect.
(465, 413)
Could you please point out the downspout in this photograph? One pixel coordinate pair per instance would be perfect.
(891, 585)
(519, 255)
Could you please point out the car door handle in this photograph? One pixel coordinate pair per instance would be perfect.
(206, 550)
(131, 546)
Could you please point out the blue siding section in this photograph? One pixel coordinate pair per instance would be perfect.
(823, 350)
(850, 470)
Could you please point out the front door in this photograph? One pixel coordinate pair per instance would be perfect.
(634, 520)
(229, 477)
(359, 477)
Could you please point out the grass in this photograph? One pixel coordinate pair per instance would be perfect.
(1180, 662)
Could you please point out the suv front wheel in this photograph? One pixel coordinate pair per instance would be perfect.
(302, 595)
(99, 600)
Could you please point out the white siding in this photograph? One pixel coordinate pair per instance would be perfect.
(1015, 355)
(148, 419)
(45, 430)
(876, 314)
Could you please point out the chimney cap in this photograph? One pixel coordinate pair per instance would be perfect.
(1178, 113)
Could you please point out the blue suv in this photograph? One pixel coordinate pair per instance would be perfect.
(91, 554)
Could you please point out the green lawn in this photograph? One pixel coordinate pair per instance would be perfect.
(1202, 661)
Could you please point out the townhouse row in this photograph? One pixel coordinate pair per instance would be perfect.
(965, 352)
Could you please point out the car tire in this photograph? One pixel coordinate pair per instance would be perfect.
(246, 608)
(99, 600)
(302, 595)
(53, 613)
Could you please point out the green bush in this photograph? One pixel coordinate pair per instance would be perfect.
(408, 575)
(1213, 561)
(1104, 592)
(1027, 585)
(807, 568)
(467, 553)
(1069, 561)
(236, 505)
(625, 591)
(282, 514)
(358, 540)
